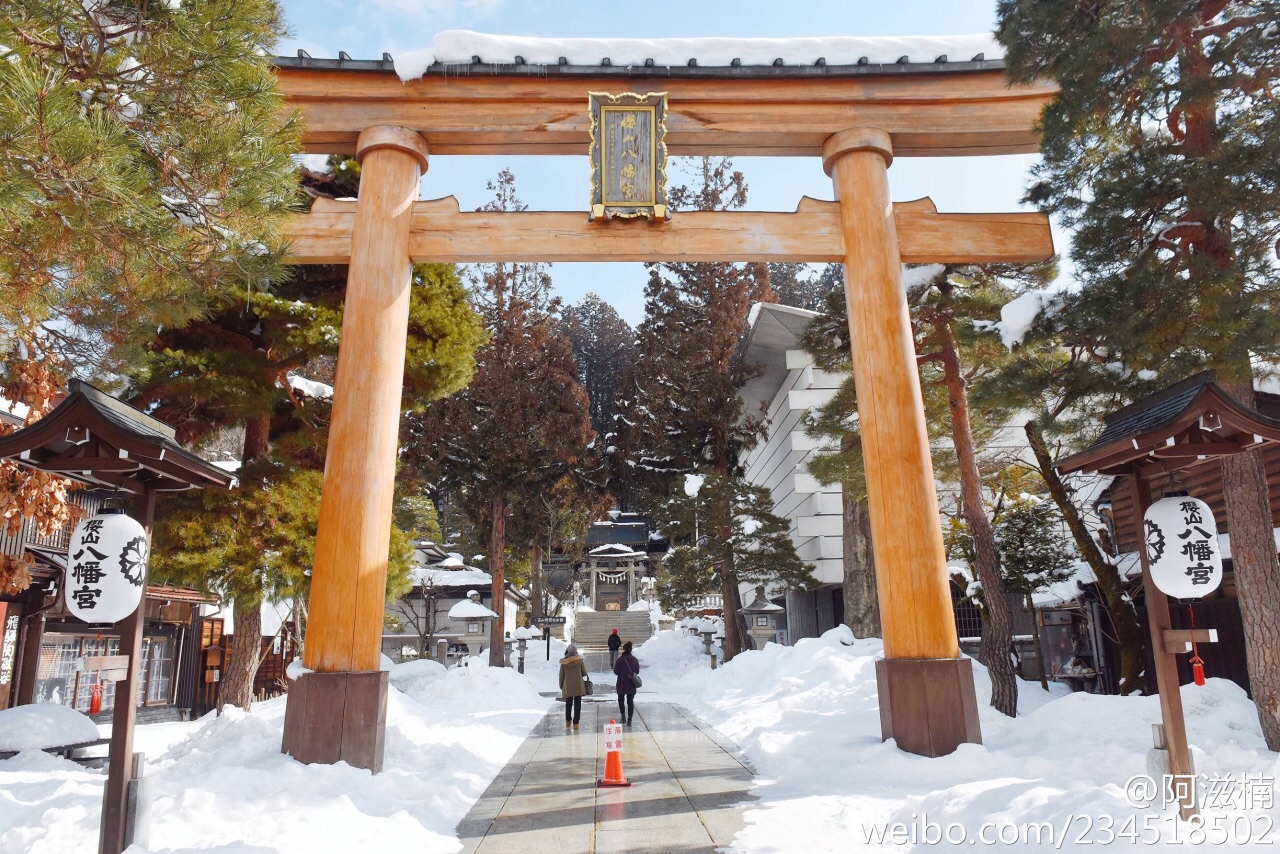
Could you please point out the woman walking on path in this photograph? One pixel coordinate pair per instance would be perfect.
(627, 669)
(615, 643)
(573, 685)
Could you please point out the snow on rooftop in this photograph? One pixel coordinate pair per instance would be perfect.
(614, 547)
(433, 576)
(468, 610)
(461, 47)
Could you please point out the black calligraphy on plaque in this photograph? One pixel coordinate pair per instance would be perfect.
(628, 156)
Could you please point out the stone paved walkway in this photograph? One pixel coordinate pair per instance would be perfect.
(687, 794)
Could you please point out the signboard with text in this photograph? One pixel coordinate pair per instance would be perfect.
(628, 155)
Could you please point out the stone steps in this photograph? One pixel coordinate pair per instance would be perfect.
(591, 629)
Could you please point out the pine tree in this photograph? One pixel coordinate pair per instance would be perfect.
(144, 164)
(523, 422)
(237, 367)
(682, 412)
(1159, 153)
(717, 522)
(1063, 383)
(1032, 553)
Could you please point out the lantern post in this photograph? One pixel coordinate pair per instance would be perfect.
(121, 772)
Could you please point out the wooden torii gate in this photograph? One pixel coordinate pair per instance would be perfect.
(855, 117)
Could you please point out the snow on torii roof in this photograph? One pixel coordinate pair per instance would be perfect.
(455, 50)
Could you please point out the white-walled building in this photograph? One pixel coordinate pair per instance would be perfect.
(789, 385)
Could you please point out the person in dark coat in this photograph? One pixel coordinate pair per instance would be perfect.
(573, 687)
(624, 668)
(615, 644)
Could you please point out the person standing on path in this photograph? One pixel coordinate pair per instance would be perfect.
(615, 643)
(627, 669)
(573, 685)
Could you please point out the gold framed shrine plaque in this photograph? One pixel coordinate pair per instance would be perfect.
(628, 155)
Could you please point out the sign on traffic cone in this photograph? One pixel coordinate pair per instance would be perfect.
(613, 757)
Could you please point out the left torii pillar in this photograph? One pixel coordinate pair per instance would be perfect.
(338, 711)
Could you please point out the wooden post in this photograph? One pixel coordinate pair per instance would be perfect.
(348, 582)
(927, 700)
(116, 818)
(1166, 664)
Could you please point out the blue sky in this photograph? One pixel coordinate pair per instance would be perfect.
(366, 28)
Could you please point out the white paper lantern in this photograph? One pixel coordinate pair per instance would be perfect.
(106, 568)
(1182, 547)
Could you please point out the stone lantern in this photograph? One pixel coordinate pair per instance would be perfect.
(475, 619)
(522, 638)
(760, 616)
(707, 628)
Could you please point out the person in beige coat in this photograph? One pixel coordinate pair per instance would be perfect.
(573, 685)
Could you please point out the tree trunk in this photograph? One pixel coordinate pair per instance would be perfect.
(236, 687)
(1035, 637)
(257, 438)
(535, 582)
(861, 605)
(1257, 572)
(1124, 620)
(733, 621)
(997, 640)
(497, 569)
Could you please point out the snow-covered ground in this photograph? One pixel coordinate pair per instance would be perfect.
(222, 785)
(805, 717)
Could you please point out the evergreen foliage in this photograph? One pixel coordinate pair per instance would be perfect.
(720, 523)
(603, 347)
(797, 285)
(682, 412)
(144, 166)
(1159, 152)
(523, 422)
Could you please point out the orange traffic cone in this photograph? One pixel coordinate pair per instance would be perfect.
(613, 758)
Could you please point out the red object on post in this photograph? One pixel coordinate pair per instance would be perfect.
(95, 699)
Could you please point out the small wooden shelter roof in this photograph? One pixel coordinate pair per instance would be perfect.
(92, 438)
(1178, 426)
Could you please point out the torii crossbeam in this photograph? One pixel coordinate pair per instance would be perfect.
(854, 117)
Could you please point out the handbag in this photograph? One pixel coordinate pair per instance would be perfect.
(636, 680)
(586, 683)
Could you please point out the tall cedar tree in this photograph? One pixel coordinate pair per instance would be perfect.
(523, 423)
(143, 162)
(232, 369)
(1160, 153)
(603, 347)
(1063, 379)
(720, 521)
(682, 411)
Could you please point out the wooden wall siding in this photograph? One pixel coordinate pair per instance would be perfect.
(926, 114)
(1203, 481)
(441, 233)
(778, 464)
(12, 545)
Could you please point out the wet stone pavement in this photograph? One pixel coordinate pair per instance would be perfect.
(688, 788)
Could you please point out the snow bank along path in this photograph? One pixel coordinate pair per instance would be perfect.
(226, 787)
(805, 716)
(807, 719)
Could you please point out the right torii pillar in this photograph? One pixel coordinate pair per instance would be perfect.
(927, 699)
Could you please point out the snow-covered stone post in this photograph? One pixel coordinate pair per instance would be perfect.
(338, 712)
(927, 699)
